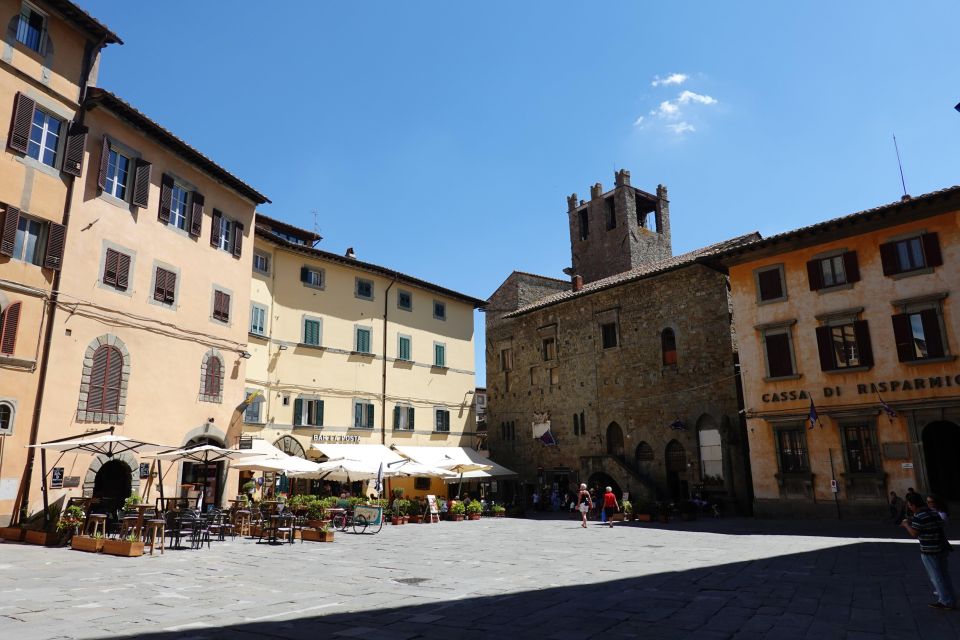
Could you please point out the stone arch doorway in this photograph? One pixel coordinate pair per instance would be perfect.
(601, 481)
(615, 440)
(198, 478)
(111, 486)
(675, 457)
(941, 451)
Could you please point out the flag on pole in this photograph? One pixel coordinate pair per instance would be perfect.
(547, 438)
(678, 425)
(378, 485)
(813, 417)
(887, 409)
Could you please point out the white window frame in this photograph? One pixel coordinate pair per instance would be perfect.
(367, 407)
(321, 274)
(45, 132)
(39, 247)
(255, 307)
(11, 404)
(258, 403)
(303, 331)
(111, 179)
(175, 213)
(225, 234)
(266, 260)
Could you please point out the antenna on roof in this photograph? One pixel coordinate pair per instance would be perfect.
(900, 165)
(316, 226)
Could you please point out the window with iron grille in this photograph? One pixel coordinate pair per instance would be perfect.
(792, 450)
(860, 442)
(32, 28)
(439, 310)
(364, 289)
(442, 423)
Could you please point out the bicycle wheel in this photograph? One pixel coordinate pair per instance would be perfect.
(375, 528)
(340, 521)
(359, 524)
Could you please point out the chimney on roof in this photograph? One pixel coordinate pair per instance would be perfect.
(350, 253)
(577, 283)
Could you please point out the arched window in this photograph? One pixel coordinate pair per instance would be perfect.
(104, 394)
(9, 320)
(668, 346)
(289, 445)
(6, 418)
(211, 377)
(644, 452)
(676, 457)
(576, 425)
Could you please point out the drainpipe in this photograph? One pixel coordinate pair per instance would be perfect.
(383, 388)
(21, 504)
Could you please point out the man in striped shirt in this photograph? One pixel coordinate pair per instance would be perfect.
(927, 526)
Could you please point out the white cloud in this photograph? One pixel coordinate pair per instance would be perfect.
(673, 78)
(638, 121)
(690, 96)
(680, 128)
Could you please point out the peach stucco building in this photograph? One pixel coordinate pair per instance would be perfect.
(856, 318)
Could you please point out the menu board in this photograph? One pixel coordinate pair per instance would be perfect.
(432, 505)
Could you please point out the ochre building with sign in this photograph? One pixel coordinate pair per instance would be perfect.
(848, 342)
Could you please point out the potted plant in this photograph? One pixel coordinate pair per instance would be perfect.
(473, 510)
(129, 547)
(49, 533)
(457, 510)
(92, 544)
(498, 510)
(414, 511)
(71, 520)
(643, 511)
(316, 510)
(131, 502)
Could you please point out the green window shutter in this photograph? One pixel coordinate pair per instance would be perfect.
(357, 415)
(396, 417)
(410, 418)
(319, 413)
(370, 416)
(297, 411)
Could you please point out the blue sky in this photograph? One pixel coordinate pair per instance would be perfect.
(442, 138)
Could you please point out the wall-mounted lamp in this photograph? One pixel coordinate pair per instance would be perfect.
(246, 355)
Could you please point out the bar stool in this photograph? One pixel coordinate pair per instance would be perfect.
(152, 530)
(99, 522)
(128, 524)
(243, 522)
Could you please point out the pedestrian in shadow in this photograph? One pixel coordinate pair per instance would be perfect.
(925, 525)
(896, 508)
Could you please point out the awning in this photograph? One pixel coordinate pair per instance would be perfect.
(444, 457)
(364, 453)
(367, 458)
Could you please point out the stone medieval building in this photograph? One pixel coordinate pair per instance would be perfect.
(626, 376)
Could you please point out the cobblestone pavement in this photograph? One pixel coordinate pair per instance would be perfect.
(500, 578)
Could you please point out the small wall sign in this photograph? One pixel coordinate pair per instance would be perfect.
(906, 465)
(56, 478)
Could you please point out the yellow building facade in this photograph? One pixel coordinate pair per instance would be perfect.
(848, 340)
(50, 55)
(345, 351)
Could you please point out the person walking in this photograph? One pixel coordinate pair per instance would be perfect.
(940, 507)
(610, 506)
(585, 503)
(896, 508)
(925, 524)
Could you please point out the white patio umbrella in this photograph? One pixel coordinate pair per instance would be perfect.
(412, 468)
(342, 469)
(461, 468)
(203, 454)
(286, 464)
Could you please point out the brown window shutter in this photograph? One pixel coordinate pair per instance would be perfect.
(931, 249)
(171, 287)
(215, 228)
(903, 336)
(8, 332)
(56, 236)
(22, 122)
(166, 198)
(931, 333)
(825, 349)
(778, 355)
(888, 257)
(141, 185)
(73, 149)
(8, 238)
(237, 239)
(97, 374)
(851, 266)
(861, 332)
(104, 163)
(771, 287)
(110, 264)
(160, 284)
(196, 214)
(123, 271)
(815, 275)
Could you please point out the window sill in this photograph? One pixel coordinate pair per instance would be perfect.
(848, 370)
(262, 273)
(794, 376)
(760, 303)
(256, 423)
(314, 347)
(846, 286)
(318, 287)
(439, 368)
(361, 428)
(252, 334)
(365, 298)
(930, 360)
(365, 354)
(116, 202)
(42, 167)
(909, 274)
(445, 433)
(23, 363)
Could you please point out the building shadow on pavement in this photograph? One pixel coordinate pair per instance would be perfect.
(853, 590)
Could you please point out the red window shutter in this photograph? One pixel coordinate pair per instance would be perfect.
(861, 332)
(141, 184)
(123, 271)
(73, 149)
(903, 336)
(8, 238)
(166, 198)
(8, 331)
(56, 236)
(22, 122)
(110, 264)
(196, 214)
(237, 239)
(888, 257)
(825, 349)
(931, 249)
(815, 275)
(931, 333)
(215, 228)
(851, 267)
(104, 163)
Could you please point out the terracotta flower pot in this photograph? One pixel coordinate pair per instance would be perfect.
(643, 517)
(416, 519)
(14, 534)
(474, 516)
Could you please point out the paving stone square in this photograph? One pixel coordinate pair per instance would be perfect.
(494, 578)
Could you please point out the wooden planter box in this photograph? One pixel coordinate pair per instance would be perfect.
(42, 538)
(317, 524)
(416, 519)
(315, 535)
(644, 517)
(122, 548)
(499, 515)
(86, 543)
(473, 516)
(255, 531)
(456, 517)
(14, 534)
